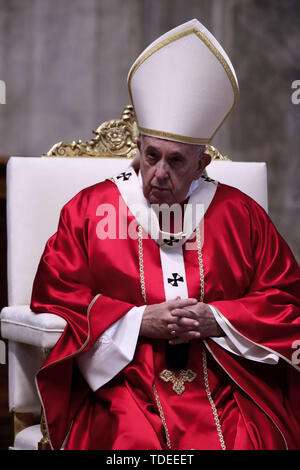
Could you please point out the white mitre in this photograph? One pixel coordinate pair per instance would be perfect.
(183, 86)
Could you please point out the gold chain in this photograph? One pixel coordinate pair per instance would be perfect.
(143, 289)
(141, 264)
(205, 372)
(162, 416)
(211, 401)
(200, 261)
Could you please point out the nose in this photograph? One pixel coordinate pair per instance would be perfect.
(161, 171)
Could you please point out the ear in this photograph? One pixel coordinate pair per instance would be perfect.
(139, 144)
(204, 160)
(136, 162)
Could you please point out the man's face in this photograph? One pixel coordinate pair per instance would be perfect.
(168, 169)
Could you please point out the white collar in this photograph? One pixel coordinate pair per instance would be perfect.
(201, 195)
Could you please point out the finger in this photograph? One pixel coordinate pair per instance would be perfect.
(185, 338)
(184, 312)
(180, 329)
(181, 303)
(185, 322)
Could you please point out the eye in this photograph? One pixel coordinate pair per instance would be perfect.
(151, 157)
(176, 161)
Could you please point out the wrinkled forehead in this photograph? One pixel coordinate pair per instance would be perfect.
(170, 146)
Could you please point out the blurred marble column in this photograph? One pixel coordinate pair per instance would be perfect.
(222, 27)
(266, 124)
(65, 65)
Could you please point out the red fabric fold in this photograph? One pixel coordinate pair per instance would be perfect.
(250, 276)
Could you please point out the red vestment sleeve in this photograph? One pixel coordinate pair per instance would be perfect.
(269, 312)
(64, 286)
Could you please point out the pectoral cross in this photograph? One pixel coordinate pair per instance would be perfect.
(178, 378)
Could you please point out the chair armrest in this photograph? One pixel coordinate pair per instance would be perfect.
(20, 324)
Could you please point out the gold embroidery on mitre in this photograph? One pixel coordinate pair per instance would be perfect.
(165, 42)
(178, 378)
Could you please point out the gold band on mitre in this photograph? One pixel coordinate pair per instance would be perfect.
(182, 89)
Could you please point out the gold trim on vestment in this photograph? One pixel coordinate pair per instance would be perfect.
(174, 376)
(178, 378)
(45, 424)
(211, 401)
(162, 416)
(254, 401)
(200, 262)
(217, 54)
(141, 263)
(257, 344)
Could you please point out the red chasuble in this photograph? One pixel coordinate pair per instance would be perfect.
(250, 277)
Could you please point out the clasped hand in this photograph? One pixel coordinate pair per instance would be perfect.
(179, 320)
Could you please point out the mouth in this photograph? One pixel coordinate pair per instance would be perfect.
(158, 188)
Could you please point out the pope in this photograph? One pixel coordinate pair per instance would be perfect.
(179, 336)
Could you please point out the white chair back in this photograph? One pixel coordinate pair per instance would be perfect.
(37, 188)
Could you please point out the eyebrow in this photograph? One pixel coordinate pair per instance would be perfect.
(151, 148)
(176, 154)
